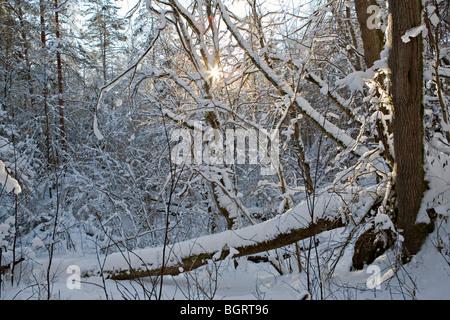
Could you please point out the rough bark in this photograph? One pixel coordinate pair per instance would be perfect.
(372, 38)
(373, 44)
(406, 65)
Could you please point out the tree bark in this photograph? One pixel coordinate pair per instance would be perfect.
(62, 129)
(406, 64)
(42, 9)
(372, 38)
(373, 43)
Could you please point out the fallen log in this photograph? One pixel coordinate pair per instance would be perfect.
(296, 224)
(176, 266)
(4, 269)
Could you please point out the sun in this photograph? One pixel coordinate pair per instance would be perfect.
(214, 73)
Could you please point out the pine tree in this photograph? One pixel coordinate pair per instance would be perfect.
(104, 30)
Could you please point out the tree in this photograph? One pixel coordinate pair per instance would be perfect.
(43, 30)
(262, 54)
(406, 64)
(104, 30)
(372, 38)
(199, 92)
(62, 125)
(349, 114)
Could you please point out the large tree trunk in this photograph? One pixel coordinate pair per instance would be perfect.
(220, 251)
(406, 66)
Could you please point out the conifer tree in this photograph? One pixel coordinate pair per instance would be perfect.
(103, 30)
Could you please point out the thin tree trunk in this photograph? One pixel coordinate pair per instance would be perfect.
(45, 90)
(353, 38)
(434, 42)
(62, 129)
(26, 45)
(303, 164)
(104, 66)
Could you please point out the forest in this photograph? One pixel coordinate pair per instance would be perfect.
(224, 149)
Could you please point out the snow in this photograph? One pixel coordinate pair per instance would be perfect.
(356, 80)
(414, 32)
(37, 243)
(8, 183)
(427, 276)
(97, 132)
(434, 19)
(296, 218)
(326, 258)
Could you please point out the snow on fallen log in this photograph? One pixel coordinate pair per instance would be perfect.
(294, 225)
(7, 182)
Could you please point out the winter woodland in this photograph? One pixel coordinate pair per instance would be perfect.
(224, 149)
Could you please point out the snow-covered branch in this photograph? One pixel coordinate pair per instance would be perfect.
(294, 225)
(331, 130)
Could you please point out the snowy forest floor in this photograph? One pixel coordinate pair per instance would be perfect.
(427, 276)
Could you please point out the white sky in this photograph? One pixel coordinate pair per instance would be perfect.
(126, 5)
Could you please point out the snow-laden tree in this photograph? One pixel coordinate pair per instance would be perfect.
(321, 72)
(104, 31)
(225, 129)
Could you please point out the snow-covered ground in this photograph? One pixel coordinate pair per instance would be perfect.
(427, 276)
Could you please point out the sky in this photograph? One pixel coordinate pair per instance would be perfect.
(126, 5)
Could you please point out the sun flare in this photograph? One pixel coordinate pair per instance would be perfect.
(215, 73)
